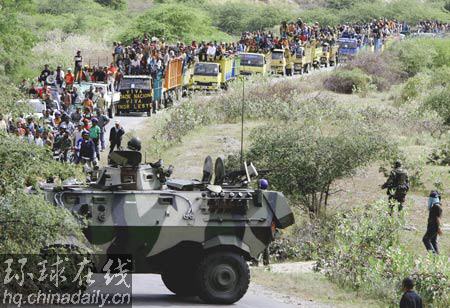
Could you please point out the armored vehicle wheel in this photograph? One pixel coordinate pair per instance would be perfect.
(180, 281)
(222, 277)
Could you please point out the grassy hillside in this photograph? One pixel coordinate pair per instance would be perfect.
(50, 31)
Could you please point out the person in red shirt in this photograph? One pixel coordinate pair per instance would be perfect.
(69, 78)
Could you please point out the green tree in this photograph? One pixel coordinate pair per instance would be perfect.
(28, 222)
(439, 101)
(304, 161)
(174, 21)
(15, 40)
(340, 4)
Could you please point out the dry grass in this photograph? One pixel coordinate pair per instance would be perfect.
(312, 287)
(138, 6)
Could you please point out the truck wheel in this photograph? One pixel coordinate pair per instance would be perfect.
(180, 281)
(222, 278)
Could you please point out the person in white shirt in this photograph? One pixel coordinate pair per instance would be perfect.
(77, 133)
(211, 51)
(38, 140)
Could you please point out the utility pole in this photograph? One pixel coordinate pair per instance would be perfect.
(242, 121)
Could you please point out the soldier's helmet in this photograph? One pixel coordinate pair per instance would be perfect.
(398, 163)
(134, 144)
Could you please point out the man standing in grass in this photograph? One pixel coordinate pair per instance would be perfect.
(433, 228)
(397, 186)
(410, 298)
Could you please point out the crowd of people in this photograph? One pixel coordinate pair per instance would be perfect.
(71, 115)
(76, 137)
(150, 55)
(72, 124)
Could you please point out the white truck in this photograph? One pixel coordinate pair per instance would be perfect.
(111, 97)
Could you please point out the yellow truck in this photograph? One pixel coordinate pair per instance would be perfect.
(302, 60)
(254, 63)
(334, 49)
(289, 62)
(213, 74)
(316, 55)
(325, 56)
(278, 62)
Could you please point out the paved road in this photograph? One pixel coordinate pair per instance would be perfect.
(149, 291)
(129, 123)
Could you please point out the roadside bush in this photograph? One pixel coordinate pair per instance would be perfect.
(10, 99)
(414, 87)
(24, 165)
(284, 249)
(28, 222)
(438, 101)
(348, 81)
(365, 255)
(383, 70)
(440, 155)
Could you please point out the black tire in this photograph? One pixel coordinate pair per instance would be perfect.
(181, 282)
(222, 278)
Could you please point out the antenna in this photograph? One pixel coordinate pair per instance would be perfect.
(242, 120)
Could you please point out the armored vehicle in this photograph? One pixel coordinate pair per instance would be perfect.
(198, 234)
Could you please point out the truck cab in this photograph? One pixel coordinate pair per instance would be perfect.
(135, 95)
(348, 48)
(206, 76)
(253, 63)
(278, 62)
(215, 73)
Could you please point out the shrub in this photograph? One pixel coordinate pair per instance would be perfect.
(438, 101)
(348, 81)
(420, 55)
(15, 41)
(237, 17)
(440, 155)
(383, 69)
(174, 21)
(28, 221)
(115, 4)
(306, 161)
(414, 87)
(364, 254)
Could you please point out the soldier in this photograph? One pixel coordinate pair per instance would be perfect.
(397, 185)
